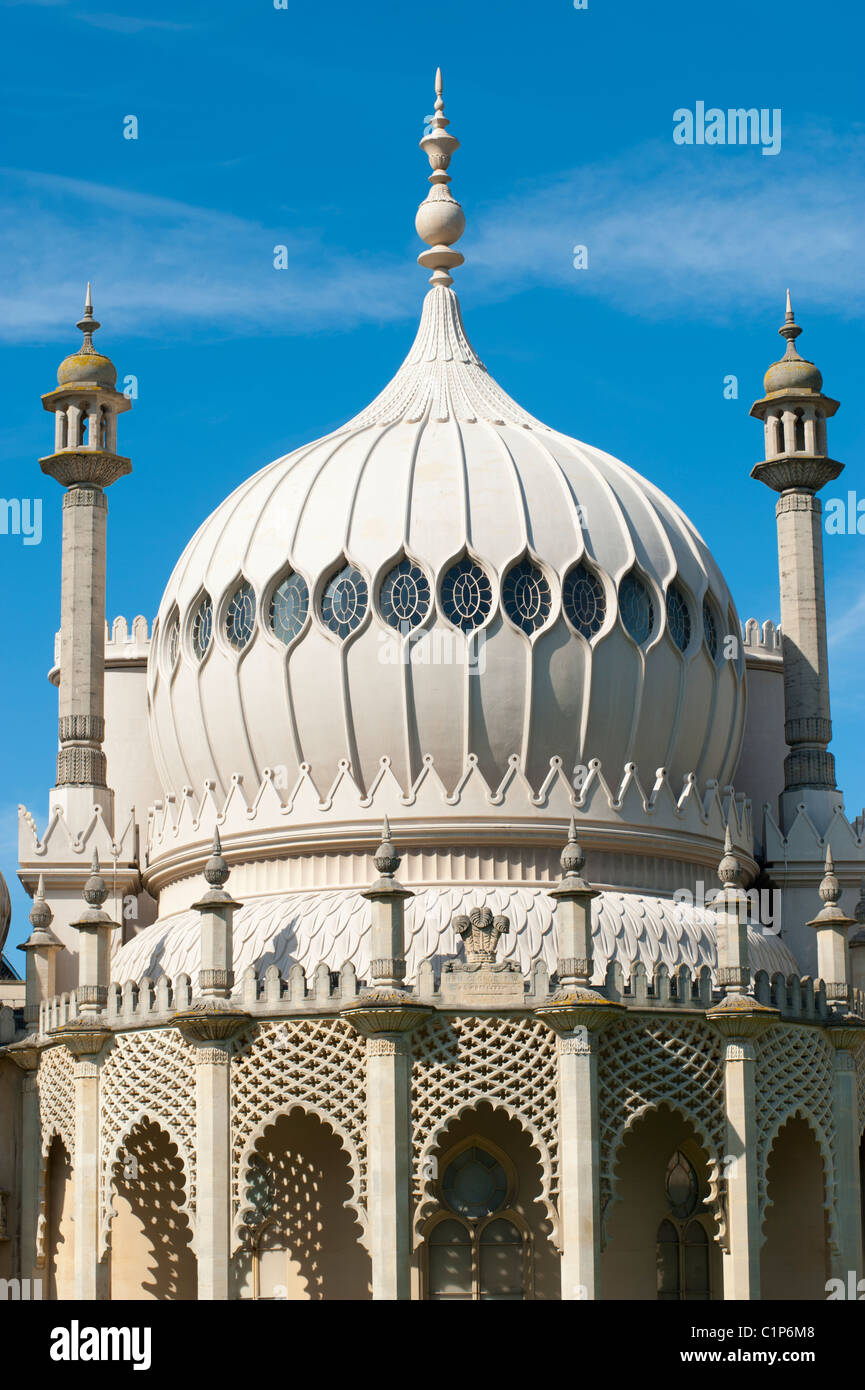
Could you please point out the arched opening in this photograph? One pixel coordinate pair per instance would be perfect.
(661, 1236)
(302, 1241)
(60, 1250)
(799, 431)
(794, 1261)
(150, 1235)
(490, 1238)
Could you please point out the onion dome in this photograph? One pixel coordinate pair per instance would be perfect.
(87, 367)
(792, 372)
(444, 582)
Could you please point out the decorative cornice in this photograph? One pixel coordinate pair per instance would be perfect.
(740, 1017)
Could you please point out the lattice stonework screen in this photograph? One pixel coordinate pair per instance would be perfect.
(56, 1084)
(794, 1077)
(148, 1074)
(317, 1064)
(509, 1063)
(642, 1064)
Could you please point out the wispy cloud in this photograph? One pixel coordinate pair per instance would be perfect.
(669, 232)
(129, 24)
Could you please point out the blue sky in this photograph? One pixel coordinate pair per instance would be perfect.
(260, 127)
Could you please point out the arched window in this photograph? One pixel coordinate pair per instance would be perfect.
(404, 597)
(678, 617)
(202, 627)
(682, 1240)
(710, 628)
(289, 606)
(584, 601)
(477, 1247)
(799, 431)
(636, 608)
(344, 601)
(240, 617)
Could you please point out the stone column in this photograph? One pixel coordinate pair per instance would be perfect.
(213, 1191)
(387, 898)
(30, 1168)
(386, 1018)
(90, 1274)
(847, 1038)
(578, 1016)
(210, 1024)
(741, 1021)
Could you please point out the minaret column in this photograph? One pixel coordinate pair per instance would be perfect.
(85, 468)
(794, 390)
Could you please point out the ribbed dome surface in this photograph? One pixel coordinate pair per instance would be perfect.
(5, 911)
(425, 503)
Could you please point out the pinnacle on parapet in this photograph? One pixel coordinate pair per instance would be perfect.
(440, 220)
(95, 889)
(572, 858)
(830, 888)
(216, 871)
(41, 915)
(386, 859)
(730, 872)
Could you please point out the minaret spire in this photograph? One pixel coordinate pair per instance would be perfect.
(794, 412)
(440, 220)
(85, 406)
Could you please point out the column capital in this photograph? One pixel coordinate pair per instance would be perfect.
(387, 1011)
(577, 1007)
(739, 1018)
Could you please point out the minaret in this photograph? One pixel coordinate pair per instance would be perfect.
(794, 412)
(85, 406)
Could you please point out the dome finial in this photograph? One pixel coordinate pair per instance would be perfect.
(88, 324)
(440, 220)
(790, 329)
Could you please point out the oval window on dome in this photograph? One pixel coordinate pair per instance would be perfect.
(526, 596)
(584, 600)
(710, 628)
(344, 601)
(404, 597)
(289, 607)
(636, 608)
(678, 617)
(467, 595)
(240, 617)
(173, 643)
(202, 627)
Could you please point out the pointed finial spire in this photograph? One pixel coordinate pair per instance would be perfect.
(830, 888)
(730, 871)
(386, 859)
(88, 324)
(790, 330)
(572, 858)
(95, 889)
(216, 871)
(440, 220)
(41, 915)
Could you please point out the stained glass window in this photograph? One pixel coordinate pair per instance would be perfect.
(526, 596)
(404, 598)
(467, 595)
(710, 629)
(584, 600)
(240, 617)
(636, 607)
(344, 601)
(474, 1184)
(289, 607)
(678, 617)
(202, 627)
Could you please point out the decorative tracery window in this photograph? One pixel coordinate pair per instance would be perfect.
(683, 1241)
(526, 596)
(173, 649)
(584, 600)
(477, 1247)
(678, 617)
(636, 608)
(344, 601)
(240, 617)
(710, 629)
(467, 595)
(202, 627)
(289, 607)
(404, 597)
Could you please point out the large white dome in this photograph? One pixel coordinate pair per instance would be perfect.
(596, 611)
